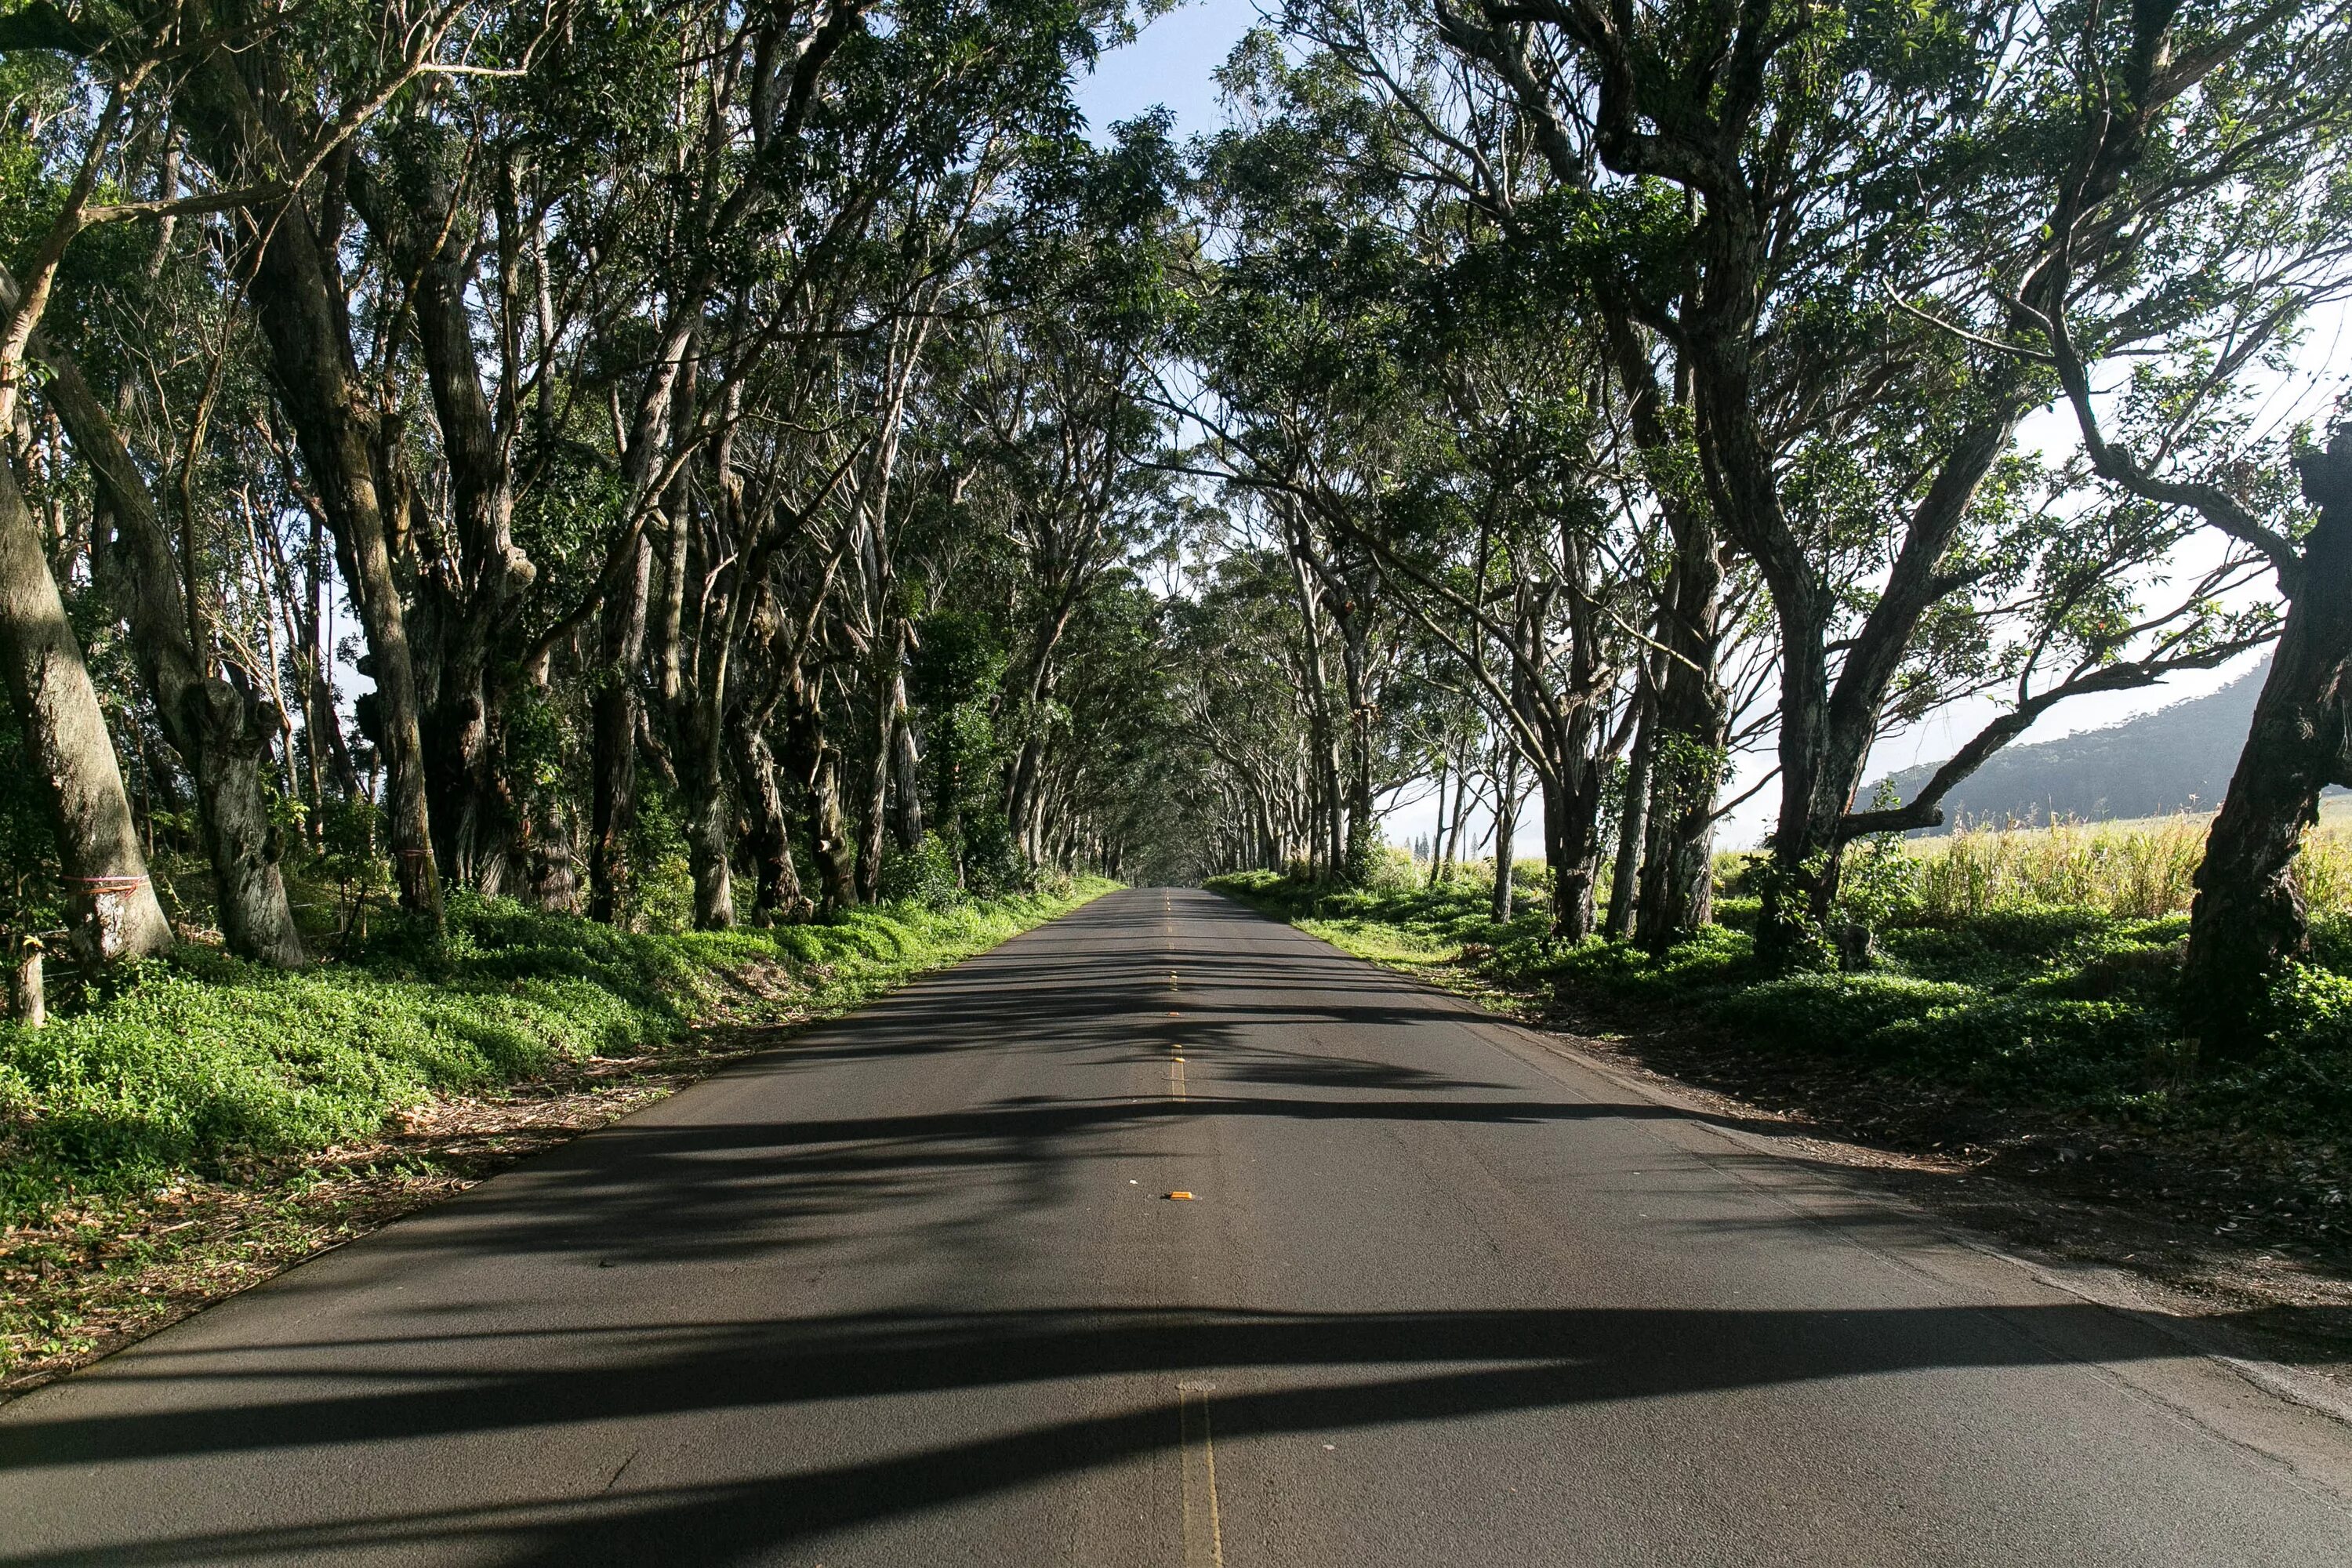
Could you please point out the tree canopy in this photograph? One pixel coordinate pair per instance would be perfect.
(727, 461)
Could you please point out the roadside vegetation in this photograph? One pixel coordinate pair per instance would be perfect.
(523, 536)
(203, 1062)
(206, 1120)
(2017, 982)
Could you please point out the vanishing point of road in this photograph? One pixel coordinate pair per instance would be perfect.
(911, 1290)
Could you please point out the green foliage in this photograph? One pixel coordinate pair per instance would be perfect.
(28, 888)
(205, 1061)
(992, 867)
(2047, 1008)
(924, 876)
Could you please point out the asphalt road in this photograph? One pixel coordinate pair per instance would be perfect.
(909, 1292)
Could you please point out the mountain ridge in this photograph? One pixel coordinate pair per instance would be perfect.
(2177, 758)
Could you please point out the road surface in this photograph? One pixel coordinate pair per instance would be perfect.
(910, 1291)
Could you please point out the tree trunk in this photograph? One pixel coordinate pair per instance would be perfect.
(1363, 834)
(549, 881)
(300, 313)
(28, 996)
(1437, 829)
(770, 840)
(2250, 918)
(115, 912)
(1678, 868)
(836, 858)
(1572, 830)
(222, 731)
(874, 814)
(614, 715)
(819, 767)
(299, 302)
(1507, 823)
(1629, 822)
(1685, 771)
(1687, 756)
(1460, 823)
(906, 770)
(465, 603)
(710, 818)
(1575, 862)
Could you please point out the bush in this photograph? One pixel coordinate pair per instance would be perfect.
(992, 866)
(925, 876)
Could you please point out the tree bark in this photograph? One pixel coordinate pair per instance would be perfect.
(465, 603)
(770, 839)
(1507, 823)
(298, 303)
(613, 720)
(907, 768)
(2250, 918)
(221, 730)
(1632, 816)
(115, 912)
(873, 815)
(710, 819)
(819, 767)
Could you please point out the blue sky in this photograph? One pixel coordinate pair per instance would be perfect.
(1170, 64)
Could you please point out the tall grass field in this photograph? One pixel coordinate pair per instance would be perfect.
(2138, 869)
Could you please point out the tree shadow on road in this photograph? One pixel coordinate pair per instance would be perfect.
(1278, 1368)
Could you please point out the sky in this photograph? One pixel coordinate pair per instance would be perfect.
(1173, 64)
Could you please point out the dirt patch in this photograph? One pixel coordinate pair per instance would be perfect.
(95, 1277)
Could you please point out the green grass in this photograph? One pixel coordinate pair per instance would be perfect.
(202, 1061)
(2048, 1009)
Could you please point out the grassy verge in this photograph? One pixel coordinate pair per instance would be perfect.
(206, 1122)
(2017, 1041)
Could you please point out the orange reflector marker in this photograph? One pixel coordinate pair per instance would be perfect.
(1181, 1197)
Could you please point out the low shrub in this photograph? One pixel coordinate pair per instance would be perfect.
(925, 874)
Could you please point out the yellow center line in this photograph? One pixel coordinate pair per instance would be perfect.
(1205, 1545)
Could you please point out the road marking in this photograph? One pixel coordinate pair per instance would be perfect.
(1176, 1077)
(1205, 1545)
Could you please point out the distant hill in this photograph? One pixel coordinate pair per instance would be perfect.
(2176, 759)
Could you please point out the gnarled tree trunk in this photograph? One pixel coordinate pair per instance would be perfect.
(613, 723)
(221, 730)
(2250, 918)
(770, 839)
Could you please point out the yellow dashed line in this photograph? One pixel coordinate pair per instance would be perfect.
(1205, 1545)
